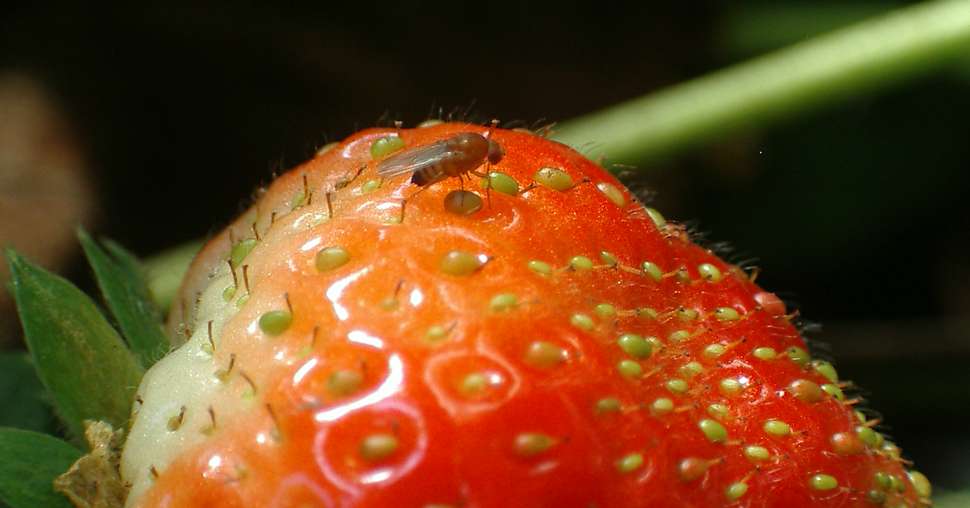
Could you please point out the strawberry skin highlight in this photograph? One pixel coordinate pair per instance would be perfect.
(561, 346)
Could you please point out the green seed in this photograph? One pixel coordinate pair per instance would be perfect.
(756, 453)
(833, 390)
(880, 439)
(730, 386)
(714, 351)
(330, 258)
(553, 178)
(430, 123)
(709, 272)
(385, 146)
(326, 148)
(777, 428)
(718, 411)
(539, 267)
(629, 369)
(502, 183)
(435, 333)
(378, 446)
(867, 436)
(582, 321)
(897, 483)
(634, 345)
(503, 302)
(370, 186)
(612, 193)
(692, 468)
(344, 382)
(826, 370)
(242, 249)
(677, 386)
(844, 443)
(690, 369)
(605, 310)
(656, 217)
(884, 480)
(713, 430)
(646, 313)
(661, 406)
(682, 275)
(891, 450)
(544, 354)
(629, 463)
(685, 314)
(228, 293)
(679, 336)
(297, 200)
(530, 444)
(734, 491)
(652, 270)
(580, 263)
(460, 263)
(798, 355)
(608, 259)
(655, 344)
(805, 390)
(823, 482)
(242, 301)
(390, 304)
(462, 202)
(726, 314)
(876, 497)
(275, 322)
(607, 405)
(765, 353)
(474, 384)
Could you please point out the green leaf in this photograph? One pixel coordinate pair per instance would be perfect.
(29, 463)
(22, 394)
(122, 283)
(80, 358)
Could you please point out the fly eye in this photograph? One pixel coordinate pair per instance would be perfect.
(495, 152)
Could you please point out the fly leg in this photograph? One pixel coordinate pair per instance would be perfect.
(404, 201)
(488, 183)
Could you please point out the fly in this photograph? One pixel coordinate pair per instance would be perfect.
(451, 157)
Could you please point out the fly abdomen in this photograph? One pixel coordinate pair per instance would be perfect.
(427, 176)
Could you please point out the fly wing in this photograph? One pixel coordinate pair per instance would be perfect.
(413, 159)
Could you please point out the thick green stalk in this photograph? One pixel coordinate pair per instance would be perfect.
(845, 63)
(164, 272)
(848, 62)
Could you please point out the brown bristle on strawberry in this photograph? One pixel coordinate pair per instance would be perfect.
(532, 338)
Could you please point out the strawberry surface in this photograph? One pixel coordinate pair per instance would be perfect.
(560, 346)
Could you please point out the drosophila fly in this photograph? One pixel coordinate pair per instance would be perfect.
(451, 157)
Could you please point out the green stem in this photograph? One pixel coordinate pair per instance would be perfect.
(846, 63)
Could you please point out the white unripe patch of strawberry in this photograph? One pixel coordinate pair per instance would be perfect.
(184, 378)
(211, 384)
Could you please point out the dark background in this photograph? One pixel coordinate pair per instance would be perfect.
(856, 213)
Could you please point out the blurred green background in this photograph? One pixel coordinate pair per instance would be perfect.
(857, 213)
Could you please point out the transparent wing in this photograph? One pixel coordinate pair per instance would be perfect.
(413, 159)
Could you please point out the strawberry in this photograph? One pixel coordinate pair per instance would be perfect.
(537, 339)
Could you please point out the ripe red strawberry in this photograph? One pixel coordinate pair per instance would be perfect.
(562, 346)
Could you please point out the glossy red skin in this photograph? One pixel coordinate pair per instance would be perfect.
(458, 450)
